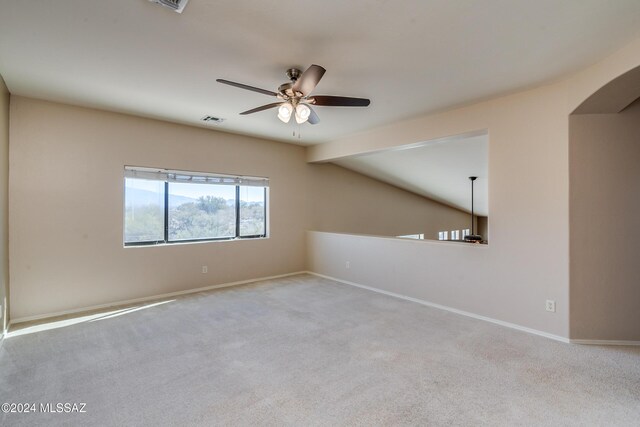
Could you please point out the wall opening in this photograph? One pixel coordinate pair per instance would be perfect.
(604, 204)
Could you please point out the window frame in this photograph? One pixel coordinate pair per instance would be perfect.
(167, 241)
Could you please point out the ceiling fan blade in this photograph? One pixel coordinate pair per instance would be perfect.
(264, 107)
(309, 79)
(247, 87)
(338, 101)
(313, 117)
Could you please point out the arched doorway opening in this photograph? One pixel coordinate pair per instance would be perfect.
(604, 206)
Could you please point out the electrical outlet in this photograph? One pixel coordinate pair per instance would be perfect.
(550, 305)
(347, 264)
(205, 269)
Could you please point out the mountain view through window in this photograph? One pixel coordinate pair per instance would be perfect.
(195, 211)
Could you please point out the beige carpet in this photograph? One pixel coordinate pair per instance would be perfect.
(308, 351)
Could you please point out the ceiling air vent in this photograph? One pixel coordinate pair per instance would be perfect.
(211, 119)
(176, 5)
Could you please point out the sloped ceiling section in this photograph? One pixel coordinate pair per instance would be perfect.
(438, 169)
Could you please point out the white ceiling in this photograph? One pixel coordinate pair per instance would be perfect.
(438, 169)
(409, 57)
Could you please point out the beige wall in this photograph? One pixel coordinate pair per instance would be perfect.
(349, 202)
(526, 263)
(4, 210)
(66, 207)
(446, 273)
(527, 259)
(605, 238)
(483, 227)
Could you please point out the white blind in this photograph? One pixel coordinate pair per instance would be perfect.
(193, 177)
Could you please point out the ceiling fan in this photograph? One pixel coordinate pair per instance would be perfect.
(295, 97)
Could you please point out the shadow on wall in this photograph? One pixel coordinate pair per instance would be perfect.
(604, 170)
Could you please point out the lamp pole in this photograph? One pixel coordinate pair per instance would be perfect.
(472, 178)
(473, 237)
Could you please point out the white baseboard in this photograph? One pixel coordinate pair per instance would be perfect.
(145, 299)
(605, 342)
(450, 309)
(358, 285)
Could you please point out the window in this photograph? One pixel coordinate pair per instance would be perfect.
(465, 233)
(443, 235)
(144, 210)
(455, 234)
(412, 236)
(165, 206)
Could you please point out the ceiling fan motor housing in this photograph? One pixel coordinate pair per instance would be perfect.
(286, 89)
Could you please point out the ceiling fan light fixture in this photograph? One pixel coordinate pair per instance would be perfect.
(284, 112)
(302, 113)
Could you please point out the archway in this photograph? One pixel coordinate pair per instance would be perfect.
(604, 206)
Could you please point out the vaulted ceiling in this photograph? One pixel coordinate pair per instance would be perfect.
(438, 169)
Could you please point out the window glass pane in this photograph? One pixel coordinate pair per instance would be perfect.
(252, 203)
(143, 210)
(413, 236)
(201, 211)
